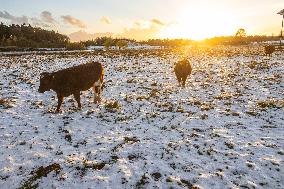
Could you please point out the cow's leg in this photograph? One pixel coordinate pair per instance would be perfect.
(97, 91)
(77, 98)
(60, 100)
(179, 80)
(184, 80)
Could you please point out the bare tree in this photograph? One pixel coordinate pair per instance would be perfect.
(121, 44)
(108, 43)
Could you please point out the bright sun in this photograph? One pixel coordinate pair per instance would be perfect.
(200, 22)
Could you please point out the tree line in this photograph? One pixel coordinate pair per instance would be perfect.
(167, 42)
(121, 43)
(107, 42)
(238, 40)
(26, 36)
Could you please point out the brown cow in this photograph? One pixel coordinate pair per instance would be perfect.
(72, 81)
(182, 70)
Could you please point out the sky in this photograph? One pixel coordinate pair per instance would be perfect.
(143, 19)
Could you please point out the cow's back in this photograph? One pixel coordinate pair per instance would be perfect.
(183, 68)
(78, 78)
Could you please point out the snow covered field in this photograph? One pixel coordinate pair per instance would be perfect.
(225, 129)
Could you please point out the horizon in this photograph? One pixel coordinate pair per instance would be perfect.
(128, 19)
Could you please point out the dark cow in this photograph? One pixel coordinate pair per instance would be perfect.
(269, 50)
(182, 70)
(73, 80)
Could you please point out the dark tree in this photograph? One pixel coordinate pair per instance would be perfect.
(28, 36)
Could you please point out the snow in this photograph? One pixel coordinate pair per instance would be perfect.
(95, 47)
(41, 51)
(223, 130)
(130, 46)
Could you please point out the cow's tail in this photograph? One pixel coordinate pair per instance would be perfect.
(102, 75)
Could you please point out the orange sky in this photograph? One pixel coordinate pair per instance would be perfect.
(148, 19)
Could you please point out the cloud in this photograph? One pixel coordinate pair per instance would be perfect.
(140, 33)
(83, 36)
(158, 22)
(143, 30)
(137, 24)
(140, 30)
(39, 23)
(73, 21)
(47, 17)
(13, 19)
(105, 20)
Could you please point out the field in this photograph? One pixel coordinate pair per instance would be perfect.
(225, 129)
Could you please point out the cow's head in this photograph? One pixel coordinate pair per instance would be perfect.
(46, 80)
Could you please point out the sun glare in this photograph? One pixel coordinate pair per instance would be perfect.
(200, 22)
